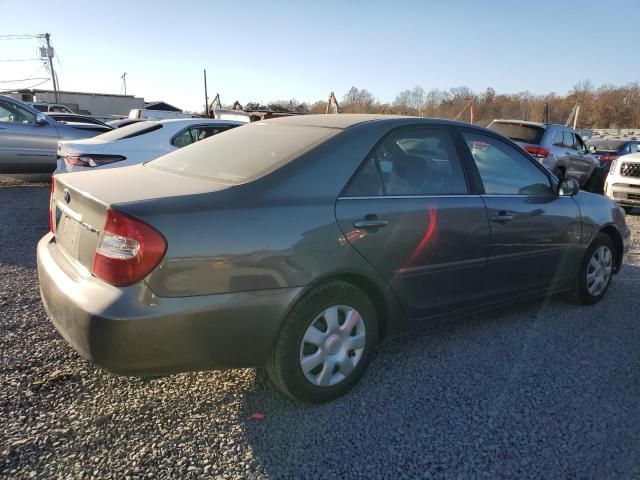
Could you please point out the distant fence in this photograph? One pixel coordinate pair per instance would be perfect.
(621, 132)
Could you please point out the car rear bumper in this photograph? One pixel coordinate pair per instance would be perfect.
(130, 331)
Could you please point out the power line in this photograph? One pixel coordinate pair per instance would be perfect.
(25, 36)
(19, 59)
(24, 79)
(27, 88)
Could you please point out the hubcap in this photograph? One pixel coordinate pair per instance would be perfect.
(332, 346)
(599, 270)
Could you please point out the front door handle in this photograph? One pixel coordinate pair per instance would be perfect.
(370, 224)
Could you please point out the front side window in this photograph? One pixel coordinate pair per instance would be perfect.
(503, 169)
(415, 161)
(11, 113)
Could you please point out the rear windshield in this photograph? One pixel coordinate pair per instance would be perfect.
(129, 131)
(243, 153)
(607, 144)
(519, 132)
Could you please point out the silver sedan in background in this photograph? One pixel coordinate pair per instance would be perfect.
(29, 138)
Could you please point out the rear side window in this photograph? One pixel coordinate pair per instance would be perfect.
(415, 161)
(505, 170)
(569, 140)
(519, 132)
(558, 139)
(130, 131)
(197, 133)
(244, 153)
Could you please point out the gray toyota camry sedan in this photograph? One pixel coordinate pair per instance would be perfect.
(300, 243)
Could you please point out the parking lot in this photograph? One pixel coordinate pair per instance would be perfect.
(545, 389)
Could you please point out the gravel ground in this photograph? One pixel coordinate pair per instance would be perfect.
(541, 390)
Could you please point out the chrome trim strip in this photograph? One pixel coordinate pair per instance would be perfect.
(405, 197)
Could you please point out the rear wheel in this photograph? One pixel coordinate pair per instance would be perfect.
(596, 271)
(559, 172)
(325, 343)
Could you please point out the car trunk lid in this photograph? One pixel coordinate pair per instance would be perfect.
(80, 202)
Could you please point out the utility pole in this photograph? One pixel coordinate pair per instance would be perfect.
(53, 73)
(206, 96)
(124, 82)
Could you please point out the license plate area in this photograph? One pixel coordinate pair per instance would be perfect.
(67, 231)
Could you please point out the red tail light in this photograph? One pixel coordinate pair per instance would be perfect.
(128, 250)
(537, 152)
(608, 158)
(51, 204)
(92, 160)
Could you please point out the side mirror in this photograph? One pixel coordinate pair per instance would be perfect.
(41, 120)
(592, 149)
(568, 187)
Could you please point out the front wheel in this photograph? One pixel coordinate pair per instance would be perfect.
(325, 344)
(596, 271)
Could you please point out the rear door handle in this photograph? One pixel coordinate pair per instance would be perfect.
(370, 223)
(501, 218)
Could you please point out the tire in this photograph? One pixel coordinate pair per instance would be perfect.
(330, 304)
(628, 210)
(559, 172)
(593, 263)
(595, 184)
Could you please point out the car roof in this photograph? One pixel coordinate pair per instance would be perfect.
(345, 120)
(528, 122)
(197, 120)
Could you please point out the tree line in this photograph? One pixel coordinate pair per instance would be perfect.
(607, 106)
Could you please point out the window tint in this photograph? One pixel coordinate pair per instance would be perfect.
(504, 170)
(580, 146)
(519, 132)
(568, 141)
(416, 161)
(366, 182)
(130, 131)
(14, 114)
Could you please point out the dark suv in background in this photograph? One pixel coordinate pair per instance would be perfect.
(559, 148)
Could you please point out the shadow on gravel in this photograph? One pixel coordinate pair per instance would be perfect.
(24, 219)
(545, 389)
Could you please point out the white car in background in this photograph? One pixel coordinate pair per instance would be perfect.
(136, 143)
(623, 183)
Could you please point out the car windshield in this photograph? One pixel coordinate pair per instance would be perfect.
(133, 130)
(519, 132)
(243, 153)
(607, 144)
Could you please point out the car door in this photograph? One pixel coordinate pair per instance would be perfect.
(586, 163)
(535, 234)
(409, 211)
(25, 145)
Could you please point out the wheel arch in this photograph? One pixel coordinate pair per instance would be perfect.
(381, 296)
(612, 232)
